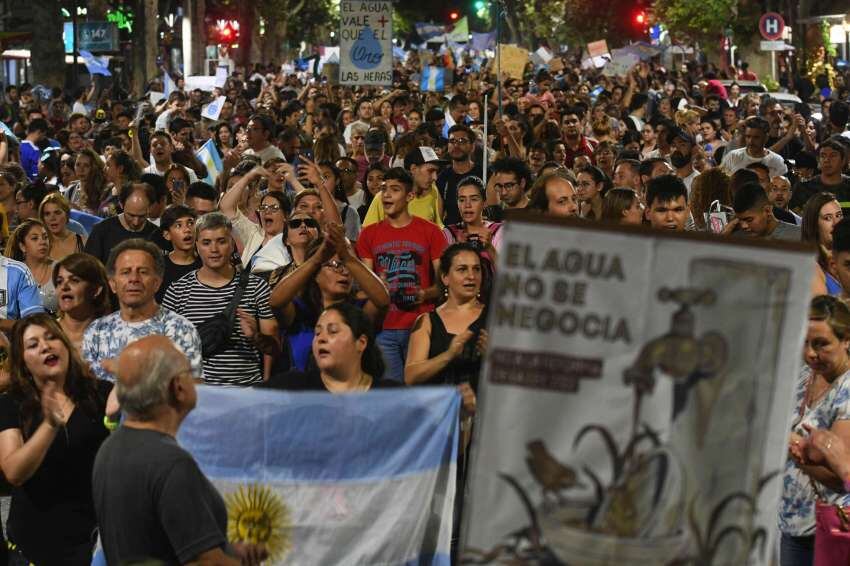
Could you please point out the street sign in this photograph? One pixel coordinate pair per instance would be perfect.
(771, 26)
(779, 45)
(91, 36)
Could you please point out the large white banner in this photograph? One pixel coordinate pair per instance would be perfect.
(365, 43)
(635, 401)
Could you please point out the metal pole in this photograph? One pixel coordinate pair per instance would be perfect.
(74, 31)
(485, 158)
(499, 55)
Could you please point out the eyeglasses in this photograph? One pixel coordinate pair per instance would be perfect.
(505, 187)
(335, 265)
(268, 208)
(458, 141)
(296, 223)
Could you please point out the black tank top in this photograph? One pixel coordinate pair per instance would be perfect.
(464, 368)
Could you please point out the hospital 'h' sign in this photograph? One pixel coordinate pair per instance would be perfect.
(771, 26)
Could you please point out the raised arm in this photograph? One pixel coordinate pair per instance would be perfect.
(325, 187)
(285, 292)
(375, 289)
(229, 203)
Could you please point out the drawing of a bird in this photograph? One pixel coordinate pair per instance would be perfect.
(552, 475)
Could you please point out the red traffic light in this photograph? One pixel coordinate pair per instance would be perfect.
(454, 15)
(226, 33)
(640, 18)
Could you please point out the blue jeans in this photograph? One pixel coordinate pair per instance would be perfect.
(796, 551)
(393, 344)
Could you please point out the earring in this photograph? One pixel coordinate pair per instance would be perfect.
(445, 292)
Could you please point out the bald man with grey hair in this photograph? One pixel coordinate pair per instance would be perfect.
(151, 499)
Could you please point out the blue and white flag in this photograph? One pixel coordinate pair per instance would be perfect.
(428, 31)
(168, 84)
(483, 41)
(332, 479)
(212, 110)
(94, 65)
(208, 155)
(433, 79)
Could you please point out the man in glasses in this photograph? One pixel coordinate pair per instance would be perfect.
(208, 292)
(348, 175)
(461, 147)
(511, 178)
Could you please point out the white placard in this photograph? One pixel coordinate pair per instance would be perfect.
(365, 42)
(634, 380)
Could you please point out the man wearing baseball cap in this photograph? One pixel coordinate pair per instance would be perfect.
(423, 164)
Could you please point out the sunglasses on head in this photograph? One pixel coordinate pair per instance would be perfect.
(296, 223)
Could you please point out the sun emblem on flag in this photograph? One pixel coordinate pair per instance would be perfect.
(256, 514)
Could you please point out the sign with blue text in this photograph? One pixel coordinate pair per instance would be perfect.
(365, 40)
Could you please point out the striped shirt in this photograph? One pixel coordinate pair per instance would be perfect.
(239, 363)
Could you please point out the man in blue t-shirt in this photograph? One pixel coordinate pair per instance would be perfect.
(30, 150)
(19, 295)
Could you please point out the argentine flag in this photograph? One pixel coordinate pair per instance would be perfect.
(208, 155)
(94, 65)
(433, 79)
(332, 479)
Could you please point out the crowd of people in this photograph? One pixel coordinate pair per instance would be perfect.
(351, 242)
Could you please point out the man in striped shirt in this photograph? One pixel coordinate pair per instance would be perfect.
(206, 292)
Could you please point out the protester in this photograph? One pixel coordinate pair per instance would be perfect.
(22, 297)
(667, 203)
(820, 216)
(447, 343)
(178, 228)
(754, 216)
(622, 206)
(82, 292)
(50, 430)
(822, 399)
(55, 212)
(136, 200)
(710, 192)
(590, 183)
(422, 164)
(404, 250)
(135, 269)
(346, 354)
(555, 194)
(152, 501)
(250, 331)
(511, 180)
(30, 244)
(327, 276)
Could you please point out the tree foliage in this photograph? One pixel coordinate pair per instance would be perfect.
(706, 20)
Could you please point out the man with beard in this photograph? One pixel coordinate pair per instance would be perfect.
(461, 146)
(575, 142)
(511, 179)
(682, 156)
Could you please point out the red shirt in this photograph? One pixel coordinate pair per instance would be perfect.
(402, 257)
(585, 147)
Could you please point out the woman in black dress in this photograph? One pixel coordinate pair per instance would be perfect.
(446, 344)
(51, 426)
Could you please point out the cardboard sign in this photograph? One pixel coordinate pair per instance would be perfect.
(366, 49)
(597, 48)
(635, 381)
(513, 60)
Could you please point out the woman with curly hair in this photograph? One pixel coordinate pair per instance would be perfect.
(51, 426)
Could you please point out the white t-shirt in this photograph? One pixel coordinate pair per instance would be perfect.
(355, 201)
(740, 159)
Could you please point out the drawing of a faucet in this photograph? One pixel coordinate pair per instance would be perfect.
(678, 353)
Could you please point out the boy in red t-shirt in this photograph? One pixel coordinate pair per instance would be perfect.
(404, 251)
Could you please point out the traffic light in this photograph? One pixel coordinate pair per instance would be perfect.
(640, 18)
(480, 5)
(454, 15)
(226, 32)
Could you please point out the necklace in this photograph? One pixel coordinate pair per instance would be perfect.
(810, 398)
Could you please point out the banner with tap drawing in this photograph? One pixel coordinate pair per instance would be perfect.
(634, 405)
